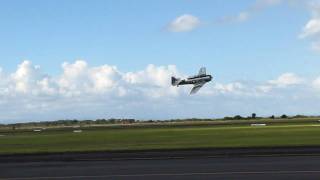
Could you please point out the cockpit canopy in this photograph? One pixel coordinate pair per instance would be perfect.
(202, 73)
(197, 76)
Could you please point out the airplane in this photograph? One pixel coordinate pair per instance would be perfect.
(198, 80)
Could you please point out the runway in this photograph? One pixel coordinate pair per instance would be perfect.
(266, 167)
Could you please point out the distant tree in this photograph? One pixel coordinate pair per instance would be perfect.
(101, 121)
(253, 116)
(300, 116)
(74, 121)
(237, 117)
(131, 120)
(227, 118)
(272, 117)
(112, 121)
(283, 116)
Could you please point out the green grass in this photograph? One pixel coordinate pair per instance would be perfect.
(158, 138)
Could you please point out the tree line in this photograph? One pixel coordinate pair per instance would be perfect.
(74, 122)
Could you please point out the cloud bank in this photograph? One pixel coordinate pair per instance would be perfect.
(86, 92)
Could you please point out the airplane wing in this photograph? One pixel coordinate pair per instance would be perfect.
(196, 87)
(202, 71)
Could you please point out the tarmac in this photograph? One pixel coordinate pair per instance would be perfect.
(291, 167)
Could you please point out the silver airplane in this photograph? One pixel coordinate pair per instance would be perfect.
(198, 80)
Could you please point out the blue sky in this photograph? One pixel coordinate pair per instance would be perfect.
(256, 48)
(132, 35)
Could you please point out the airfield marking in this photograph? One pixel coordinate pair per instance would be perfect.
(278, 126)
(171, 174)
(251, 127)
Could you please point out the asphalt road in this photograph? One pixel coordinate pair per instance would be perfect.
(290, 167)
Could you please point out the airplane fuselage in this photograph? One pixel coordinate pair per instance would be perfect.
(195, 79)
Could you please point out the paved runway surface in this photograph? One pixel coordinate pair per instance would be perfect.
(300, 167)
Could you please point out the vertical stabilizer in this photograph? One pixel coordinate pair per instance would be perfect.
(202, 71)
(174, 81)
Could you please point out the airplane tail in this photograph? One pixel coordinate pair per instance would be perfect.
(174, 81)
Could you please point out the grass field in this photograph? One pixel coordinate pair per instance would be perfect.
(97, 139)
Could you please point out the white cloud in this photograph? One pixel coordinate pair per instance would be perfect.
(311, 29)
(286, 79)
(184, 23)
(154, 81)
(158, 76)
(241, 17)
(28, 79)
(284, 82)
(78, 78)
(234, 87)
(316, 83)
(315, 46)
(255, 8)
(262, 4)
